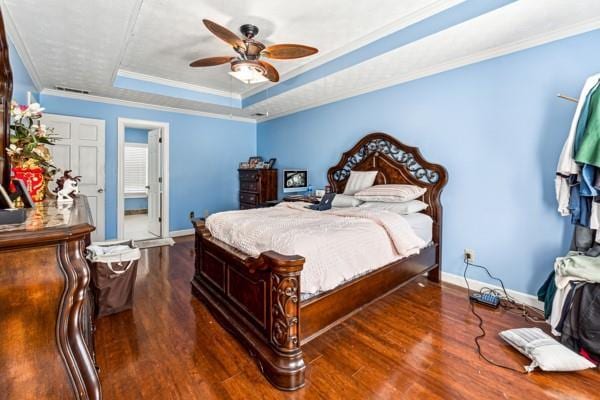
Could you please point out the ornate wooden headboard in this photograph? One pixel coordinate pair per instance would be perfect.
(396, 163)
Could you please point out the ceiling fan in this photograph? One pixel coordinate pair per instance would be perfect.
(247, 66)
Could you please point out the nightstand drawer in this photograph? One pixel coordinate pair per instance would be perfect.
(249, 186)
(250, 198)
(251, 175)
(246, 206)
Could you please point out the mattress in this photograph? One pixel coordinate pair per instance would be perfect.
(338, 245)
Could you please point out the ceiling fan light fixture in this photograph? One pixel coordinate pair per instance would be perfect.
(248, 72)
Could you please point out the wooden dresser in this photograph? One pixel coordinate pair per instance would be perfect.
(46, 309)
(257, 186)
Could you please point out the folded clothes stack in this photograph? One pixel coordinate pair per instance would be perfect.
(571, 296)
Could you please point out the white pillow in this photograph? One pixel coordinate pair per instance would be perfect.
(359, 180)
(343, 200)
(391, 193)
(544, 351)
(405, 208)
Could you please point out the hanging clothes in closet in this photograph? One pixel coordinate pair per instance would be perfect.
(578, 172)
(571, 294)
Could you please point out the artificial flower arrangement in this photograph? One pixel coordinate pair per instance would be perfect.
(29, 155)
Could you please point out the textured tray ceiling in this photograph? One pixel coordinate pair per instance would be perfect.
(83, 44)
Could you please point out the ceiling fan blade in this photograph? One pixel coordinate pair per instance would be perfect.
(224, 34)
(272, 73)
(210, 61)
(288, 51)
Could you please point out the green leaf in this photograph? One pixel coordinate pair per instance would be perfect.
(45, 140)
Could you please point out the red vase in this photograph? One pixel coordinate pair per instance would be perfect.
(34, 181)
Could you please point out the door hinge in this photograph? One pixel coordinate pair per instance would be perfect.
(159, 140)
(159, 219)
(160, 179)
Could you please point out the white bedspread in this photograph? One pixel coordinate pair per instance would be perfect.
(338, 244)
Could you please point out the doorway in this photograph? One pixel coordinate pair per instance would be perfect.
(143, 195)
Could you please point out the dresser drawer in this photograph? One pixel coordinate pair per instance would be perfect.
(249, 186)
(250, 198)
(246, 206)
(250, 175)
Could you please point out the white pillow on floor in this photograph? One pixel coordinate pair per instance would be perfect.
(544, 351)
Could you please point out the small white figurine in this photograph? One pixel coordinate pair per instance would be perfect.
(67, 187)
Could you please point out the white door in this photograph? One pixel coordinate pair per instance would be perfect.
(81, 149)
(154, 182)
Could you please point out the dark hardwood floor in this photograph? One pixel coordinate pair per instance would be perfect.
(418, 344)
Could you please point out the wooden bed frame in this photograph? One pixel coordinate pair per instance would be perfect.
(257, 299)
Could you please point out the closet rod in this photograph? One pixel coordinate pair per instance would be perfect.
(562, 96)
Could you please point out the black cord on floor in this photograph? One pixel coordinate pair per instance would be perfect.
(507, 303)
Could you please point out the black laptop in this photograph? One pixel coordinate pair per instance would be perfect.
(325, 203)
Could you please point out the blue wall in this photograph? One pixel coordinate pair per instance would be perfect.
(22, 82)
(204, 157)
(136, 203)
(136, 135)
(497, 126)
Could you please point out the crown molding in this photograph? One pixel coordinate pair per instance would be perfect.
(407, 20)
(495, 52)
(177, 84)
(129, 103)
(17, 41)
(133, 17)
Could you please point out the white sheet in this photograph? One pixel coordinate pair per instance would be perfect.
(338, 244)
(422, 224)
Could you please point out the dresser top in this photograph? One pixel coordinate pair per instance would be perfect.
(49, 222)
(257, 169)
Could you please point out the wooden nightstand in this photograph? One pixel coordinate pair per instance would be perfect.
(257, 186)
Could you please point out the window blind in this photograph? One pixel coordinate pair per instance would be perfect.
(136, 168)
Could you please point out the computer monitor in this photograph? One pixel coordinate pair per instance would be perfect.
(295, 180)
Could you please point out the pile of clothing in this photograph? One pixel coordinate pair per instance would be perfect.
(577, 175)
(571, 297)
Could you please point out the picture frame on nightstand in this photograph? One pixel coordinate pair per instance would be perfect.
(253, 161)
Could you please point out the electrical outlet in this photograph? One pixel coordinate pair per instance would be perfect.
(205, 213)
(192, 215)
(469, 255)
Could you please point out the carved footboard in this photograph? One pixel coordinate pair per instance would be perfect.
(257, 300)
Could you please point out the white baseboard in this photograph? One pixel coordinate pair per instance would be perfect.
(183, 232)
(520, 297)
